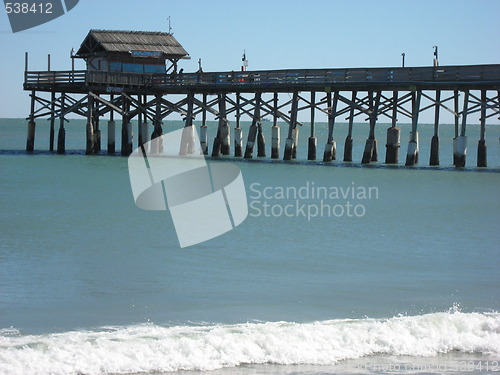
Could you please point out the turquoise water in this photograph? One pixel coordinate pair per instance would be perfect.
(91, 284)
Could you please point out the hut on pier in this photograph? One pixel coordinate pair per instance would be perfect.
(131, 51)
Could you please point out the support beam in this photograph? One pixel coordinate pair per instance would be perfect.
(481, 147)
(252, 132)
(157, 147)
(412, 154)
(313, 141)
(90, 149)
(30, 140)
(393, 134)
(52, 120)
(217, 147)
(127, 145)
(456, 109)
(187, 145)
(434, 158)
(330, 152)
(370, 153)
(461, 141)
(275, 131)
(238, 132)
(61, 136)
(203, 127)
(348, 139)
(290, 143)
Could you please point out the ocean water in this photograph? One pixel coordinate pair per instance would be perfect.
(338, 268)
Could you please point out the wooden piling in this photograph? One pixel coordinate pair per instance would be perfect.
(348, 139)
(252, 131)
(61, 135)
(461, 141)
(456, 108)
(52, 120)
(313, 141)
(370, 153)
(30, 140)
(330, 152)
(481, 146)
(434, 157)
(289, 144)
(275, 131)
(157, 147)
(90, 149)
(412, 153)
(187, 145)
(393, 135)
(216, 150)
(261, 142)
(126, 147)
(203, 128)
(238, 132)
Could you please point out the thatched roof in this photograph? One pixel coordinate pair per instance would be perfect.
(126, 41)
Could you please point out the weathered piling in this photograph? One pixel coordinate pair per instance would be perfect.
(393, 135)
(312, 141)
(61, 135)
(52, 120)
(330, 152)
(217, 146)
(238, 132)
(481, 146)
(457, 117)
(295, 137)
(290, 142)
(187, 145)
(348, 140)
(203, 127)
(370, 153)
(261, 142)
(126, 146)
(157, 147)
(412, 153)
(275, 130)
(30, 141)
(90, 149)
(434, 157)
(252, 131)
(460, 150)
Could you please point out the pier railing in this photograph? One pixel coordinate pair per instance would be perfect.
(38, 80)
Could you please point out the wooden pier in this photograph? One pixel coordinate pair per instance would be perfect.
(373, 93)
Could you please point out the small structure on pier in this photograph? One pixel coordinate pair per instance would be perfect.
(131, 51)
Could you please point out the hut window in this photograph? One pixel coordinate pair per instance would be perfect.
(133, 68)
(154, 68)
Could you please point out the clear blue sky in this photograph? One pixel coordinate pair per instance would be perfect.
(276, 34)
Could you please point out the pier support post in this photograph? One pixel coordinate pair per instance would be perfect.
(187, 146)
(275, 131)
(481, 146)
(312, 141)
(412, 153)
(52, 120)
(30, 140)
(111, 136)
(90, 147)
(127, 145)
(157, 147)
(455, 104)
(348, 139)
(61, 135)
(330, 152)
(393, 135)
(261, 142)
(238, 132)
(295, 137)
(252, 131)
(434, 158)
(217, 147)
(393, 145)
(290, 143)
(203, 128)
(461, 141)
(370, 153)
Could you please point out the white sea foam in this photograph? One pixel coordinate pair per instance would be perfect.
(152, 348)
